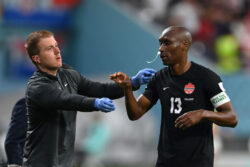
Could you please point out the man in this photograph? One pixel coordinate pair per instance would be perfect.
(53, 96)
(15, 137)
(188, 93)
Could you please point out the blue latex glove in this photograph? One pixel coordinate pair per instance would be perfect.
(142, 77)
(104, 104)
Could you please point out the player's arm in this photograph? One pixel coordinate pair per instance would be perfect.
(47, 95)
(225, 116)
(111, 90)
(135, 108)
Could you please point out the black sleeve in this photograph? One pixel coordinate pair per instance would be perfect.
(97, 89)
(215, 90)
(212, 83)
(151, 91)
(46, 95)
(16, 134)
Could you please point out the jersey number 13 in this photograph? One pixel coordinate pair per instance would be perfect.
(175, 105)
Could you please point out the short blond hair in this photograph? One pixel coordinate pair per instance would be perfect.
(31, 43)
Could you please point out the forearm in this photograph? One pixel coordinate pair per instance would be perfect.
(47, 96)
(223, 118)
(62, 100)
(134, 111)
(76, 102)
(96, 89)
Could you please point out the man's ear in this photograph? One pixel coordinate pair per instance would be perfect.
(185, 44)
(36, 59)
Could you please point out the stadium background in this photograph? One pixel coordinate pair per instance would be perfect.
(97, 38)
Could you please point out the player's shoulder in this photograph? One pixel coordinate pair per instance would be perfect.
(159, 74)
(203, 71)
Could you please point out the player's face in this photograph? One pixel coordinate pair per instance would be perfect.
(49, 57)
(169, 48)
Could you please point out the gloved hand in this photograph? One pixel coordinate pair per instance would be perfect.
(142, 77)
(104, 104)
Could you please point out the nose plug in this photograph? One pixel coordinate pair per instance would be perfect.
(157, 55)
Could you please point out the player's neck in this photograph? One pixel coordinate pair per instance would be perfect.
(179, 69)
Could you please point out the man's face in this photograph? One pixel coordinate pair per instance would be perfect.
(169, 47)
(49, 57)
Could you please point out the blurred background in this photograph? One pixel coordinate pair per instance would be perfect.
(100, 37)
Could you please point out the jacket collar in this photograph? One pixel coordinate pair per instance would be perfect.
(47, 74)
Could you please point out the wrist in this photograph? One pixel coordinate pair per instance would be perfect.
(135, 82)
(204, 114)
(128, 88)
(96, 103)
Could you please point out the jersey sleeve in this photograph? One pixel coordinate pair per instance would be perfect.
(215, 90)
(151, 91)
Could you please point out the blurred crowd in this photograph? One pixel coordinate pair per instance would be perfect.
(220, 29)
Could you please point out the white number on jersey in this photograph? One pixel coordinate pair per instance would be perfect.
(178, 108)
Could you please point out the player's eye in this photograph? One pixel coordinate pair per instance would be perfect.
(167, 42)
(164, 42)
(49, 48)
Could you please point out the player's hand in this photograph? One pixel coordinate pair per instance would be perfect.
(189, 119)
(104, 104)
(142, 77)
(121, 79)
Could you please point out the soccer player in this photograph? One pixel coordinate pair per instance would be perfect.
(53, 96)
(188, 93)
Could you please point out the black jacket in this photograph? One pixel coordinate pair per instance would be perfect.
(15, 137)
(52, 103)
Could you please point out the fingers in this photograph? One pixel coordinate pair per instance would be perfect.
(115, 77)
(182, 122)
(112, 76)
(146, 79)
(149, 72)
(108, 108)
(108, 105)
(148, 75)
